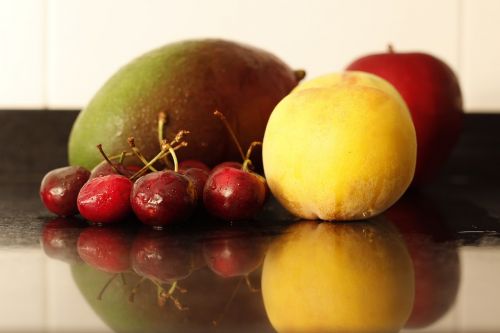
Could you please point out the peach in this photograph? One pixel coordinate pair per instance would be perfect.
(340, 151)
(338, 277)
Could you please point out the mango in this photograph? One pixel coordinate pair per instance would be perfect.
(187, 80)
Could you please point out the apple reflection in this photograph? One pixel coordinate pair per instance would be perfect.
(434, 255)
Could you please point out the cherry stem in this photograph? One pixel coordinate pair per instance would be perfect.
(135, 289)
(249, 284)
(123, 279)
(390, 48)
(299, 74)
(118, 156)
(122, 157)
(106, 158)
(164, 152)
(172, 153)
(247, 162)
(172, 288)
(178, 137)
(228, 303)
(163, 295)
(162, 120)
(135, 150)
(101, 293)
(223, 118)
(170, 294)
(176, 141)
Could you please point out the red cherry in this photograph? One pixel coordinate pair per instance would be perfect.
(104, 169)
(188, 164)
(59, 238)
(234, 194)
(230, 164)
(161, 257)
(105, 199)
(59, 189)
(198, 177)
(105, 248)
(233, 253)
(163, 197)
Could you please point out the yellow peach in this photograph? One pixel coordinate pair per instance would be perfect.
(338, 277)
(349, 78)
(341, 151)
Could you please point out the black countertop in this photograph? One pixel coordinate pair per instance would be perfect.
(461, 207)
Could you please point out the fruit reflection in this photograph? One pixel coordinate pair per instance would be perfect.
(434, 255)
(105, 248)
(231, 252)
(210, 303)
(338, 277)
(160, 256)
(163, 259)
(59, 237)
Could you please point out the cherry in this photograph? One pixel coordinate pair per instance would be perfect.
(163, 197)
(105, 248)
(230, 253)
(188, 164)
(59, 238)
(231, 164)
(59, 189)
(105, 199)
(198, 177)
(234, 194)
(160, 256)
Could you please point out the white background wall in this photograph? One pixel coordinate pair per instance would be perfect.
(57, 53)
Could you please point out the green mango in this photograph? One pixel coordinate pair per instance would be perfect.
(187, 80)
(207, 298)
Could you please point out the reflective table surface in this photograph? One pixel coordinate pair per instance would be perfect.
(431, 263)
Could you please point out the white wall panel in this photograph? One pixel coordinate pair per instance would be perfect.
(57, 53)
(481, 54)
(89, 40)
(22, 54)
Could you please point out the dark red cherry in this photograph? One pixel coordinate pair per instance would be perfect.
(230, 164)
(105, 199)
(163, 197)
(59, 238)
(231, 253)
(104, 169)
(199, 178)
(105, 248)
(234, 194)
(160, 256)
(188, 164)
(59, 189)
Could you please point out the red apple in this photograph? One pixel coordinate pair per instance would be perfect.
(432, 93)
